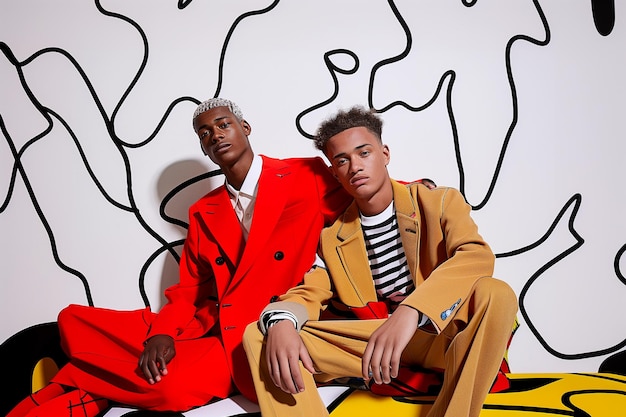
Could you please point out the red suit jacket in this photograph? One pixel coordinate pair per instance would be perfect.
(224, 284)
(225, 281)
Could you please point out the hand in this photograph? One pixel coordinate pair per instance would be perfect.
(384, 350)
(284, 350)
(157, 353)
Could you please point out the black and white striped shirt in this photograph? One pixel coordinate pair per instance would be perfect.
(387, 259)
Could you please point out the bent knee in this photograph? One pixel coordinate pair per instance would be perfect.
(501, 295)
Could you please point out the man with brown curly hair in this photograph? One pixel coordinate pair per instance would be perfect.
(410, 276)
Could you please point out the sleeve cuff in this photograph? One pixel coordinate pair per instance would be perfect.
(271, 317)
(423, 321)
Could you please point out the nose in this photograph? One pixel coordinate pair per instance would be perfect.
(217, 136)
(355, 166)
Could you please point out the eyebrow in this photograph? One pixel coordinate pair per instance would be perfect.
(339, 155)
(217, 119)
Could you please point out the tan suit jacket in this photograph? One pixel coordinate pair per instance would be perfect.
(445, 254)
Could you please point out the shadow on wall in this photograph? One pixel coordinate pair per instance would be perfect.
(180, 185)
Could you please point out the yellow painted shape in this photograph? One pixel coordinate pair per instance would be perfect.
(364, 403)
(596, 394)
(43, 372)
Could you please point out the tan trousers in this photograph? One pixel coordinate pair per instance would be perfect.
(469, 349)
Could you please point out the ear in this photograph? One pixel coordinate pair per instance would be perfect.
(387, 154)
(246, 127)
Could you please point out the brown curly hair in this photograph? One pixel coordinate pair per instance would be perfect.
(357, 116)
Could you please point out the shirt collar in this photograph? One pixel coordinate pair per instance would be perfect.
(248, 188)
(378, 218)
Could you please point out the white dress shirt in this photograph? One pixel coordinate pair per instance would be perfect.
(243, 200)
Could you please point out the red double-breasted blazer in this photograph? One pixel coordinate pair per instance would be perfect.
(225, 281)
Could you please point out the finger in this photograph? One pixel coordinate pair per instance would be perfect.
(274, 370)
(164, 359)
(385, 367)
(287, 382)
(395, 364)
(153, 369)
(375, 364)
(306, 360)
(366, 362)
(162, 365)
(297, 382)
(145, 367)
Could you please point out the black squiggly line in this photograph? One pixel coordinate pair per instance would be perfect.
(183, 3)
(601, 376)
(110, 128)
(451, 74)
(170, 247)
(44, 111)
(144, 60)
(501, 407)
(526, 409)
(448, 74)
(566, 399)
(110, 123)
(220, 74)
(86, 164)
(575, 201)
(17, 154)
(178, 189)
(603, 12)
(37, 207)
(18, 167)
(165, 245)
(509, 73)
(333, 70)
(400, 56)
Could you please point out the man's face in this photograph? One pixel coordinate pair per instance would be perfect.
(359, 161)
(223, 137)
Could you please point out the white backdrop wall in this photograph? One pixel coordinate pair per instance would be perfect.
(517, 103)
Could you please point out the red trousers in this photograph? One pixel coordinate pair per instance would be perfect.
(104, 348)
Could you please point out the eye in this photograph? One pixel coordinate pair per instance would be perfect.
(341, 161)
(204, 134)
(224, 125)
(365, 153)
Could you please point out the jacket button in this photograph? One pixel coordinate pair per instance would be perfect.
(229, 327)
(279, 256)
(219, 261)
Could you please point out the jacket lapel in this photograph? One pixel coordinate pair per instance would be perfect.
(272, 193)
(353, 255)
(408, 216)
(351, 247)
(220, 218)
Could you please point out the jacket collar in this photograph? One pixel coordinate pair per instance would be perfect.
(272, 195)
(351, 246)
(217, 213)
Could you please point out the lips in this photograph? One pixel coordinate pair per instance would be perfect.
(220, 148)
(358, 181)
